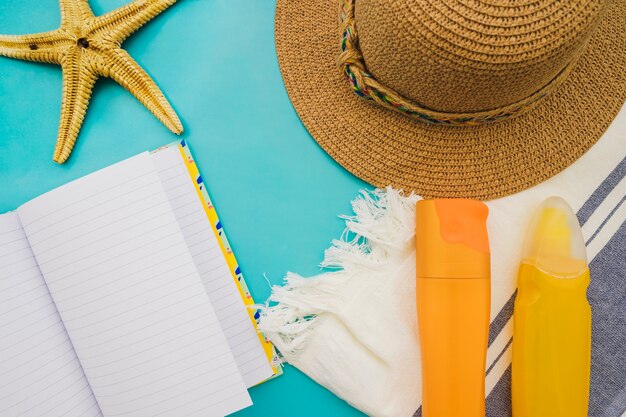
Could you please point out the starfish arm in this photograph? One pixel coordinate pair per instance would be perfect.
(132, 77)
(41, 47)
(78, 81)
(119, 24)
(74, 13)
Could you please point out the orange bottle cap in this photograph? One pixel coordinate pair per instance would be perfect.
(451, 239)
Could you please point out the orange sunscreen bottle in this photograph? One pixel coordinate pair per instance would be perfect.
(453, 301)
(552, 328)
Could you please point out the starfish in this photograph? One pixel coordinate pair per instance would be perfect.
(88, 47)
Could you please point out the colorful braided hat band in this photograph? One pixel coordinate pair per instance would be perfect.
(365, 85)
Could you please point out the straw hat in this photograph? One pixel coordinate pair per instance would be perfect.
(454, 98)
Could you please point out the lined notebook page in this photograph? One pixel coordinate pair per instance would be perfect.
(214, 271)
(39, 371)
(130, 296)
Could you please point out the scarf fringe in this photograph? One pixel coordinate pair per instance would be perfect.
(380, 230)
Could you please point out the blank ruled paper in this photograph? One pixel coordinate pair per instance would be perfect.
(214, 272)
(130, 296)
(40, 374)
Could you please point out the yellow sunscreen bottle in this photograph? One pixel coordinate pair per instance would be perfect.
(552, 329)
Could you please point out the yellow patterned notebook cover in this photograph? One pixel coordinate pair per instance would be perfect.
(211, 213)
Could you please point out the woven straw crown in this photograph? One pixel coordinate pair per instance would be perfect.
(464, 61)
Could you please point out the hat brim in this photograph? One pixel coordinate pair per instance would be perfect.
(488, 161)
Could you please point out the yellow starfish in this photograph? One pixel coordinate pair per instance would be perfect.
(87, 47)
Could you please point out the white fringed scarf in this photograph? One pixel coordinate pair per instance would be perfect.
(346, 329)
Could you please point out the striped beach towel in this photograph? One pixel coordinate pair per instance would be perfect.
(596, 188)
(353, 329)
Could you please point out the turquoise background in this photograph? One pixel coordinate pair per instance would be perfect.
(278, 194)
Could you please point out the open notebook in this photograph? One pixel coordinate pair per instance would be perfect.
(118, 298)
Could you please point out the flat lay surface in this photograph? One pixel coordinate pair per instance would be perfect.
(352, 327)
(276, 191)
